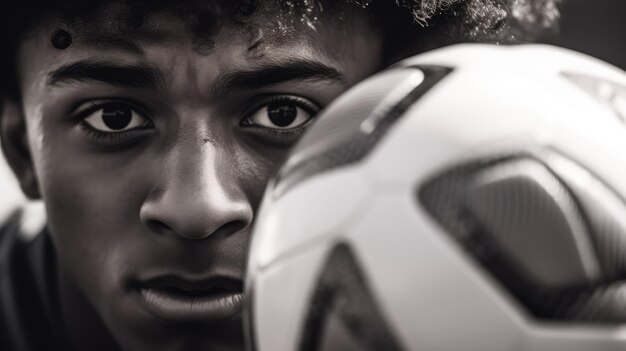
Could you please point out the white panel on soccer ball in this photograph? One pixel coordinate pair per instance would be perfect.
(281, 296)
(321, 218)
(427, 285)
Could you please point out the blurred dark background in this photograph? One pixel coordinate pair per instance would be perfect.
(595, 27)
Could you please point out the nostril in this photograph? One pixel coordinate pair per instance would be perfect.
(233, 227)
(158, 226)
(226, 229)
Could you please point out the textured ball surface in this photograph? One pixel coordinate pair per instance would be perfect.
(468, 198)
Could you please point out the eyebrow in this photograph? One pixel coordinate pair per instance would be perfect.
(140, 76)
(275, 73)
(145, 76)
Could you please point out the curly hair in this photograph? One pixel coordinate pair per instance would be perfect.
(529, 18)
(409, 26)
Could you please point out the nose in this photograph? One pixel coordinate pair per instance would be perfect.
(197, 194)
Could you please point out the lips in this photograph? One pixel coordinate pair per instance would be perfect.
(176, 298)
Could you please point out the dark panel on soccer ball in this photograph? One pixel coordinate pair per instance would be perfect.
(343, 314)
(550, 245)
(359, 143)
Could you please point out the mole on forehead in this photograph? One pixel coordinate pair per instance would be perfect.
(254, 37)
(270, 24)
(149, 24)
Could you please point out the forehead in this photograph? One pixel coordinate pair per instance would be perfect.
(206, 36)
(198, 21)
(202, 25)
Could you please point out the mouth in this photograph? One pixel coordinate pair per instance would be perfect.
(178, 299)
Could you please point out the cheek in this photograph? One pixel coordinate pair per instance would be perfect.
(93, 203)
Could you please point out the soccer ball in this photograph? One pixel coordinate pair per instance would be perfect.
(470, 198)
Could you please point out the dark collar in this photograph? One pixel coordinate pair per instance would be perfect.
(29, 306)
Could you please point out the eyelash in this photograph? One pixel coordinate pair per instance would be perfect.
(97, 135)
(129, 136)
(104, 137)
(303, 103)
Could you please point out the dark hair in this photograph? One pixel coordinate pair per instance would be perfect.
(410, 26)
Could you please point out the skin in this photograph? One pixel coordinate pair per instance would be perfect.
(179, 192)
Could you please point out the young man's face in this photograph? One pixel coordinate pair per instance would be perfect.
(151, 149)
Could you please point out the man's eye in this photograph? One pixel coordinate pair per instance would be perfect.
(115, 118)
(282, 114)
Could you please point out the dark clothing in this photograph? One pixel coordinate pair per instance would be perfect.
(29, 315)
